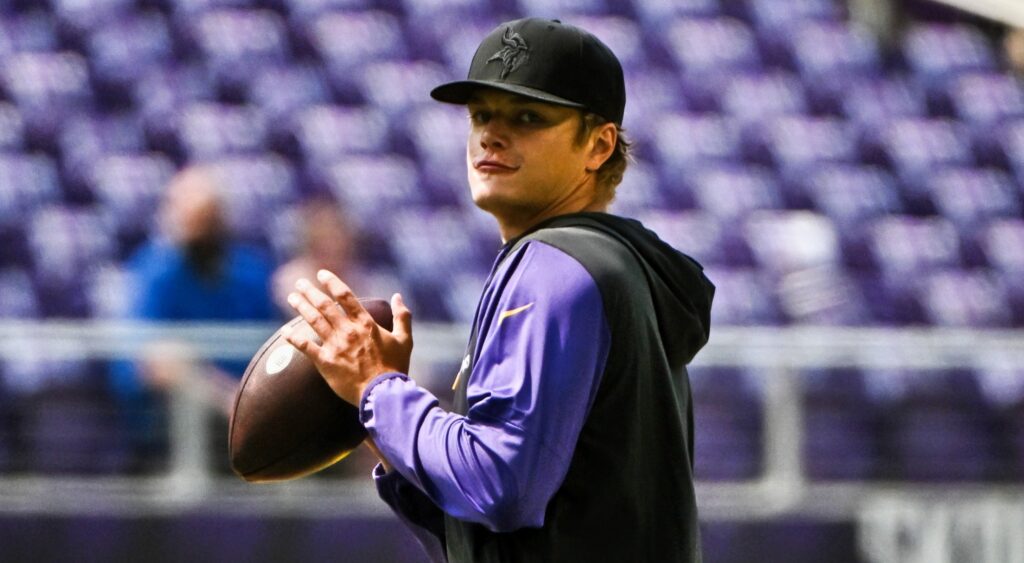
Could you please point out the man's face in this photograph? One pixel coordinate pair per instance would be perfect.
(522, 155)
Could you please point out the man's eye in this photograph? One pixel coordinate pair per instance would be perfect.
(479, 116)
(529, 117)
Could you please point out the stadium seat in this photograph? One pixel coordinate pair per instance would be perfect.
(12, 128)
(325, 133)
(794, 143)
(64, 242)
(128, 189)
(728, 440)
(940, 428)
(31, 31)
(879, 99)
(965, 298)
(754, 97)
(822, 50)
(376, 83)
(935, 51)
(684, 142)
(255, 187)
(370, 185)
(986, 99)
(773, 13)
(282, 90)
(17, 295)
(87, 138)
(971, 196)
(841, 426)
(850, 193)
(695, 233)
(116, 67)
(732, 192)
(207, 130)
(652, 13)
(701, 45)
(744, 297)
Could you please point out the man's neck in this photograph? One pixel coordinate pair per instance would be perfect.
(510, 228)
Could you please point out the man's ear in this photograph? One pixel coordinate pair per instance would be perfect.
(602, 145)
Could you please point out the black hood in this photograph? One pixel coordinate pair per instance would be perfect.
(682, 293)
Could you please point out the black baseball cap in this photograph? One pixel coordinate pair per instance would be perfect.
(545, 60)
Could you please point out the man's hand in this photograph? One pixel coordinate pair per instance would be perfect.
(353, 349)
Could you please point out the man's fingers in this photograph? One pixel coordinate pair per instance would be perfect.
(302, 342)
(343, 295)
(402, 317)
(327, 306)
(310, 314)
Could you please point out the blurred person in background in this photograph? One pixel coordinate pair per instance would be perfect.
(1013, 50)
(328, 242)
(191, 271)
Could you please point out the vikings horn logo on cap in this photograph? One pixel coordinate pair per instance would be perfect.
(514, 54)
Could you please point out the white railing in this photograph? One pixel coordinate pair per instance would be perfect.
(775, 353)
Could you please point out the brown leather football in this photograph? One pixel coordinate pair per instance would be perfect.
(287, 422)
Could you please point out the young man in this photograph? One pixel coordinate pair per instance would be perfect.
(572, 434)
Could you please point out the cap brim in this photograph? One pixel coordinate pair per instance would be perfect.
(461, 91)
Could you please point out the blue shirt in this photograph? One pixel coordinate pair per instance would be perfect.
(169, 289)
(542, 346)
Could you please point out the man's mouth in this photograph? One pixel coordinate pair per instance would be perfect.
(492, 166)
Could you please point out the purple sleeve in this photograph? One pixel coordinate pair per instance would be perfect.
(542, 348)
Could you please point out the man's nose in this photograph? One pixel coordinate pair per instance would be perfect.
(493, 136)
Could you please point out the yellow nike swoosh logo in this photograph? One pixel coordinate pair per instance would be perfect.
(506, 314)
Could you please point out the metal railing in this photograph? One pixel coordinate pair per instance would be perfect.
(777, 354)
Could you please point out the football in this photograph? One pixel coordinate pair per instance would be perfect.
(287, 422)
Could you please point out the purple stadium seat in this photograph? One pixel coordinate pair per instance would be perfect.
(622, 35)
(841, 426)
(728, 426)
(1002, 383)
(968, 298)
(304, 8)
(939, 428)
(639, 190)
(377, 80)
(695, 233)
(753, 97)
(789, 241)
(970, 196)
(936, 51)
(279, 91)
(1004, 146)
(161, 94)
(745, 296)
(705, 45)
(32, 31)
(773, 13)
(653, 13)
(914, 148)
(731, 192)
(192, 7)
(73, 433)
(109, 289)
(372, 186)
(905, 245)
(566, 7)
(128, 189)
(233, 42)
(65, 242)
(684, 142)
(652, 93)
(46, 87)
(255, 187)
(17, 295)
(29, 182)
(876, 100)
(78, 17)
(116, 67)
(12, 128)
(87, 138)
(1003, 243)
(437, 133)
(344, 40)
(987, 99)
(829, 49)
(455, 42)
(325, 133)
(793, 143)
(850, 193)
(207, 130)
